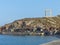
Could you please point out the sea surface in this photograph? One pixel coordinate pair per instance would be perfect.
(25, 40)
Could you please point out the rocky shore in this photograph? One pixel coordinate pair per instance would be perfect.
(56, 42)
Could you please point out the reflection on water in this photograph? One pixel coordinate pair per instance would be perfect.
(58, 36)
(25, 40)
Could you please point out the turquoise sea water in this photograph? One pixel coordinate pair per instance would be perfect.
(25, 40)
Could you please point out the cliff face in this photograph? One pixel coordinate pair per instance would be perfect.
(33, 22)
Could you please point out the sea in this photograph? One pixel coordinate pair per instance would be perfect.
(25, 40)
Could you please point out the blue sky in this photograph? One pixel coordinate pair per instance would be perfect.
(11, 10)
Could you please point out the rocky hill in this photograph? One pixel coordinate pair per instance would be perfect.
(44, 22)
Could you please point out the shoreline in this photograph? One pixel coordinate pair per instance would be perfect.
(22, 33)
(55, 42)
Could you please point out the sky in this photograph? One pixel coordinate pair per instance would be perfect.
(11, 10)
